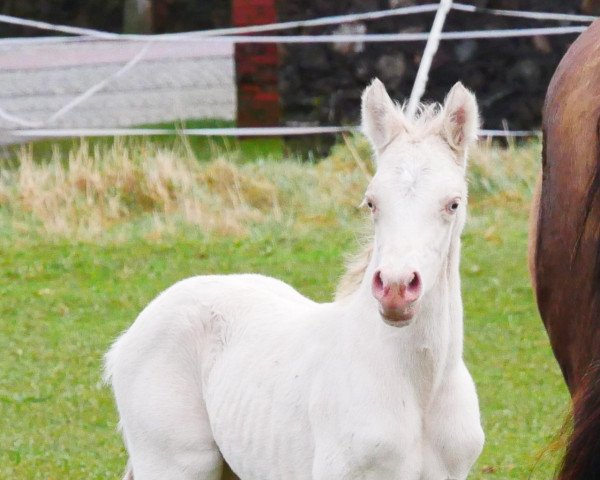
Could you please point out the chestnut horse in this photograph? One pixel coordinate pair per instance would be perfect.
(565, 242)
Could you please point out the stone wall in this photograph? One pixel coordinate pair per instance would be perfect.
(100, 14)
(322, 83)
(167, 15)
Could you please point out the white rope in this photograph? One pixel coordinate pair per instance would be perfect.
(219, 35)
(386, 37)
(98, 86)
(80, 98)
(406, 37)
(56, 28)
(9, 117)
(329, 20)
(323, 21)
(510, 133)
(431, 47)
(355, 17)
(366, 38)
(18, 41)
(317, 22)
(198, 132)
(563, 17)
(218, 132)
(511, 33)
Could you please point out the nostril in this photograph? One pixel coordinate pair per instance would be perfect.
(414, 286)
(377, 285)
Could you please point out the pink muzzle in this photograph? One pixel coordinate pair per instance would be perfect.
(397, 299)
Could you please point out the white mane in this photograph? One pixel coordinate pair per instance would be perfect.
(355, 271)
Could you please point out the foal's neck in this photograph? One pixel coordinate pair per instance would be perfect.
(432, 343)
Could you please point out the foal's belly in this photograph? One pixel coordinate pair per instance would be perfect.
(260, 423)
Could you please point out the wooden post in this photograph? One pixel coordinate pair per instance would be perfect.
(256, 67)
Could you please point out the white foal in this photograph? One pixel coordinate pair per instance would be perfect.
(244, 369)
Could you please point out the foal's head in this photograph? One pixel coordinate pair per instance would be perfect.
(418, 195)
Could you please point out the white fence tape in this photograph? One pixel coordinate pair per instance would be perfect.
(562, 17)
(217, 132)
(233, 35)
(430, 48)
(330, 20)
(8, 19)
(352, 38)
(384, 37)
(323, 21)
(193, 132)
(316, 22)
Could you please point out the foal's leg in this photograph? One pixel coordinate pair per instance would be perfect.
(165, 424)
(228, 473)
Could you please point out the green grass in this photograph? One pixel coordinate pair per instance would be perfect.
(523, 398)
(64, 301)
(63, 304)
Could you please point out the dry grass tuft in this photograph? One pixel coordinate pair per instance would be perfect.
(96, 191)
(504, 176)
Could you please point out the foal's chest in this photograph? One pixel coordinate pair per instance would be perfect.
(409, 451)
(452, 428)
(319, 421)
(392, 435)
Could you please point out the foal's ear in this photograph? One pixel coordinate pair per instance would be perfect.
(381, 120)
(460, 120)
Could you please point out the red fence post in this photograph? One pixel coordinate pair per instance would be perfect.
(256, 67)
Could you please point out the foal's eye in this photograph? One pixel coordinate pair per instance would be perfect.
(452, 206)
(370, 203)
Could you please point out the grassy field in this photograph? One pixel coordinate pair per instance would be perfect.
(85, 246)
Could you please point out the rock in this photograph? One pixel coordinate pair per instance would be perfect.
(311, 57)
(390, 69)
(542, 44)
(465, 50)
(348, 48)
(526, 73)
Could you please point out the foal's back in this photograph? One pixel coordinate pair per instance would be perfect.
(159, 369)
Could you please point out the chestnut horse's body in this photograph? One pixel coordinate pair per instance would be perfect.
(565, 241)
